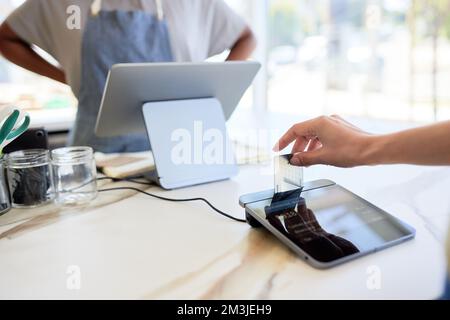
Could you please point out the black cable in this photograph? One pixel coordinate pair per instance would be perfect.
(164, 198)
(133, 180)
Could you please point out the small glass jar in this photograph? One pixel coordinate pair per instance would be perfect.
(5, 203)
(30, 178)
(75, 175)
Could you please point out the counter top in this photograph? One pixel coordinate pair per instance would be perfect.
(129, 246)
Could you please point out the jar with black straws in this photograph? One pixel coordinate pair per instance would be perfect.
(5, 203)
(30, 178)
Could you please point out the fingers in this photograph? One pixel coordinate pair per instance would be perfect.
(321, 141)
(303, 144)
(286, 139)
(306, 159)
(313, 145)
(303, 130)
(300, 145)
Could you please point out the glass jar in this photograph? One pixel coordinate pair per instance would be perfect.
(5, 203)
(75, 175)
(29, 177)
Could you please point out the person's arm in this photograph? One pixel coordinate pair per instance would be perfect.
(244, 46)
(333, 141)
(16, 50)
(429, 145)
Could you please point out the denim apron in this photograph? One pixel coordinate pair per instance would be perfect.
(112, 37)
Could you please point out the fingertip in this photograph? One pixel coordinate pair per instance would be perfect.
(306, 159)
(295, 161)
(277, 147)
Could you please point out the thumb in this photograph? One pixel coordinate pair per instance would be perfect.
(306, 159)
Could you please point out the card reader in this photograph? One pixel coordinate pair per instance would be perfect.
(324, 223)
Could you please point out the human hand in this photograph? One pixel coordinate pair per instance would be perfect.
(327, 140)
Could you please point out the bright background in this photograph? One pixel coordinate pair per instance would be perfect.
(386, 59)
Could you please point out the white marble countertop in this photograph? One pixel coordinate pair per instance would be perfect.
(129, 246)
(134, 247)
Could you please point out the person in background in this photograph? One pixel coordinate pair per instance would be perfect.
(117, 31)
(334, 141)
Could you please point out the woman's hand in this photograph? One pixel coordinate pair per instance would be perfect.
(327, 140)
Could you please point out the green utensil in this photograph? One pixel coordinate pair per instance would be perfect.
(9, 132)
(8, 126)
(20, 130)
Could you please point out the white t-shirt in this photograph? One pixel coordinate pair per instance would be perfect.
(198, 29)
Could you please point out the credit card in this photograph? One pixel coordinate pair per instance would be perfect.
(287, 176)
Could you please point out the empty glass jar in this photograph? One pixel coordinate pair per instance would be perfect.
(5, 204)
(75, 175)
(30, 178)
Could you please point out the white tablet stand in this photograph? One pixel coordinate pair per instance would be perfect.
(189, 141)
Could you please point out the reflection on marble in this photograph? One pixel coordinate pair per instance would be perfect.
(18, 221)
(258, 255)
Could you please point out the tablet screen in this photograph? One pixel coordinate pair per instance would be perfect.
(330, 223)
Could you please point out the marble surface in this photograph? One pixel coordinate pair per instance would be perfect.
(129, 246)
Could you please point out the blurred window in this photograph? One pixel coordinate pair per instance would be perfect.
(383, 59)
(376, 58)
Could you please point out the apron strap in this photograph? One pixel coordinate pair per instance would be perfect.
(159, 10)
(96, 7)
